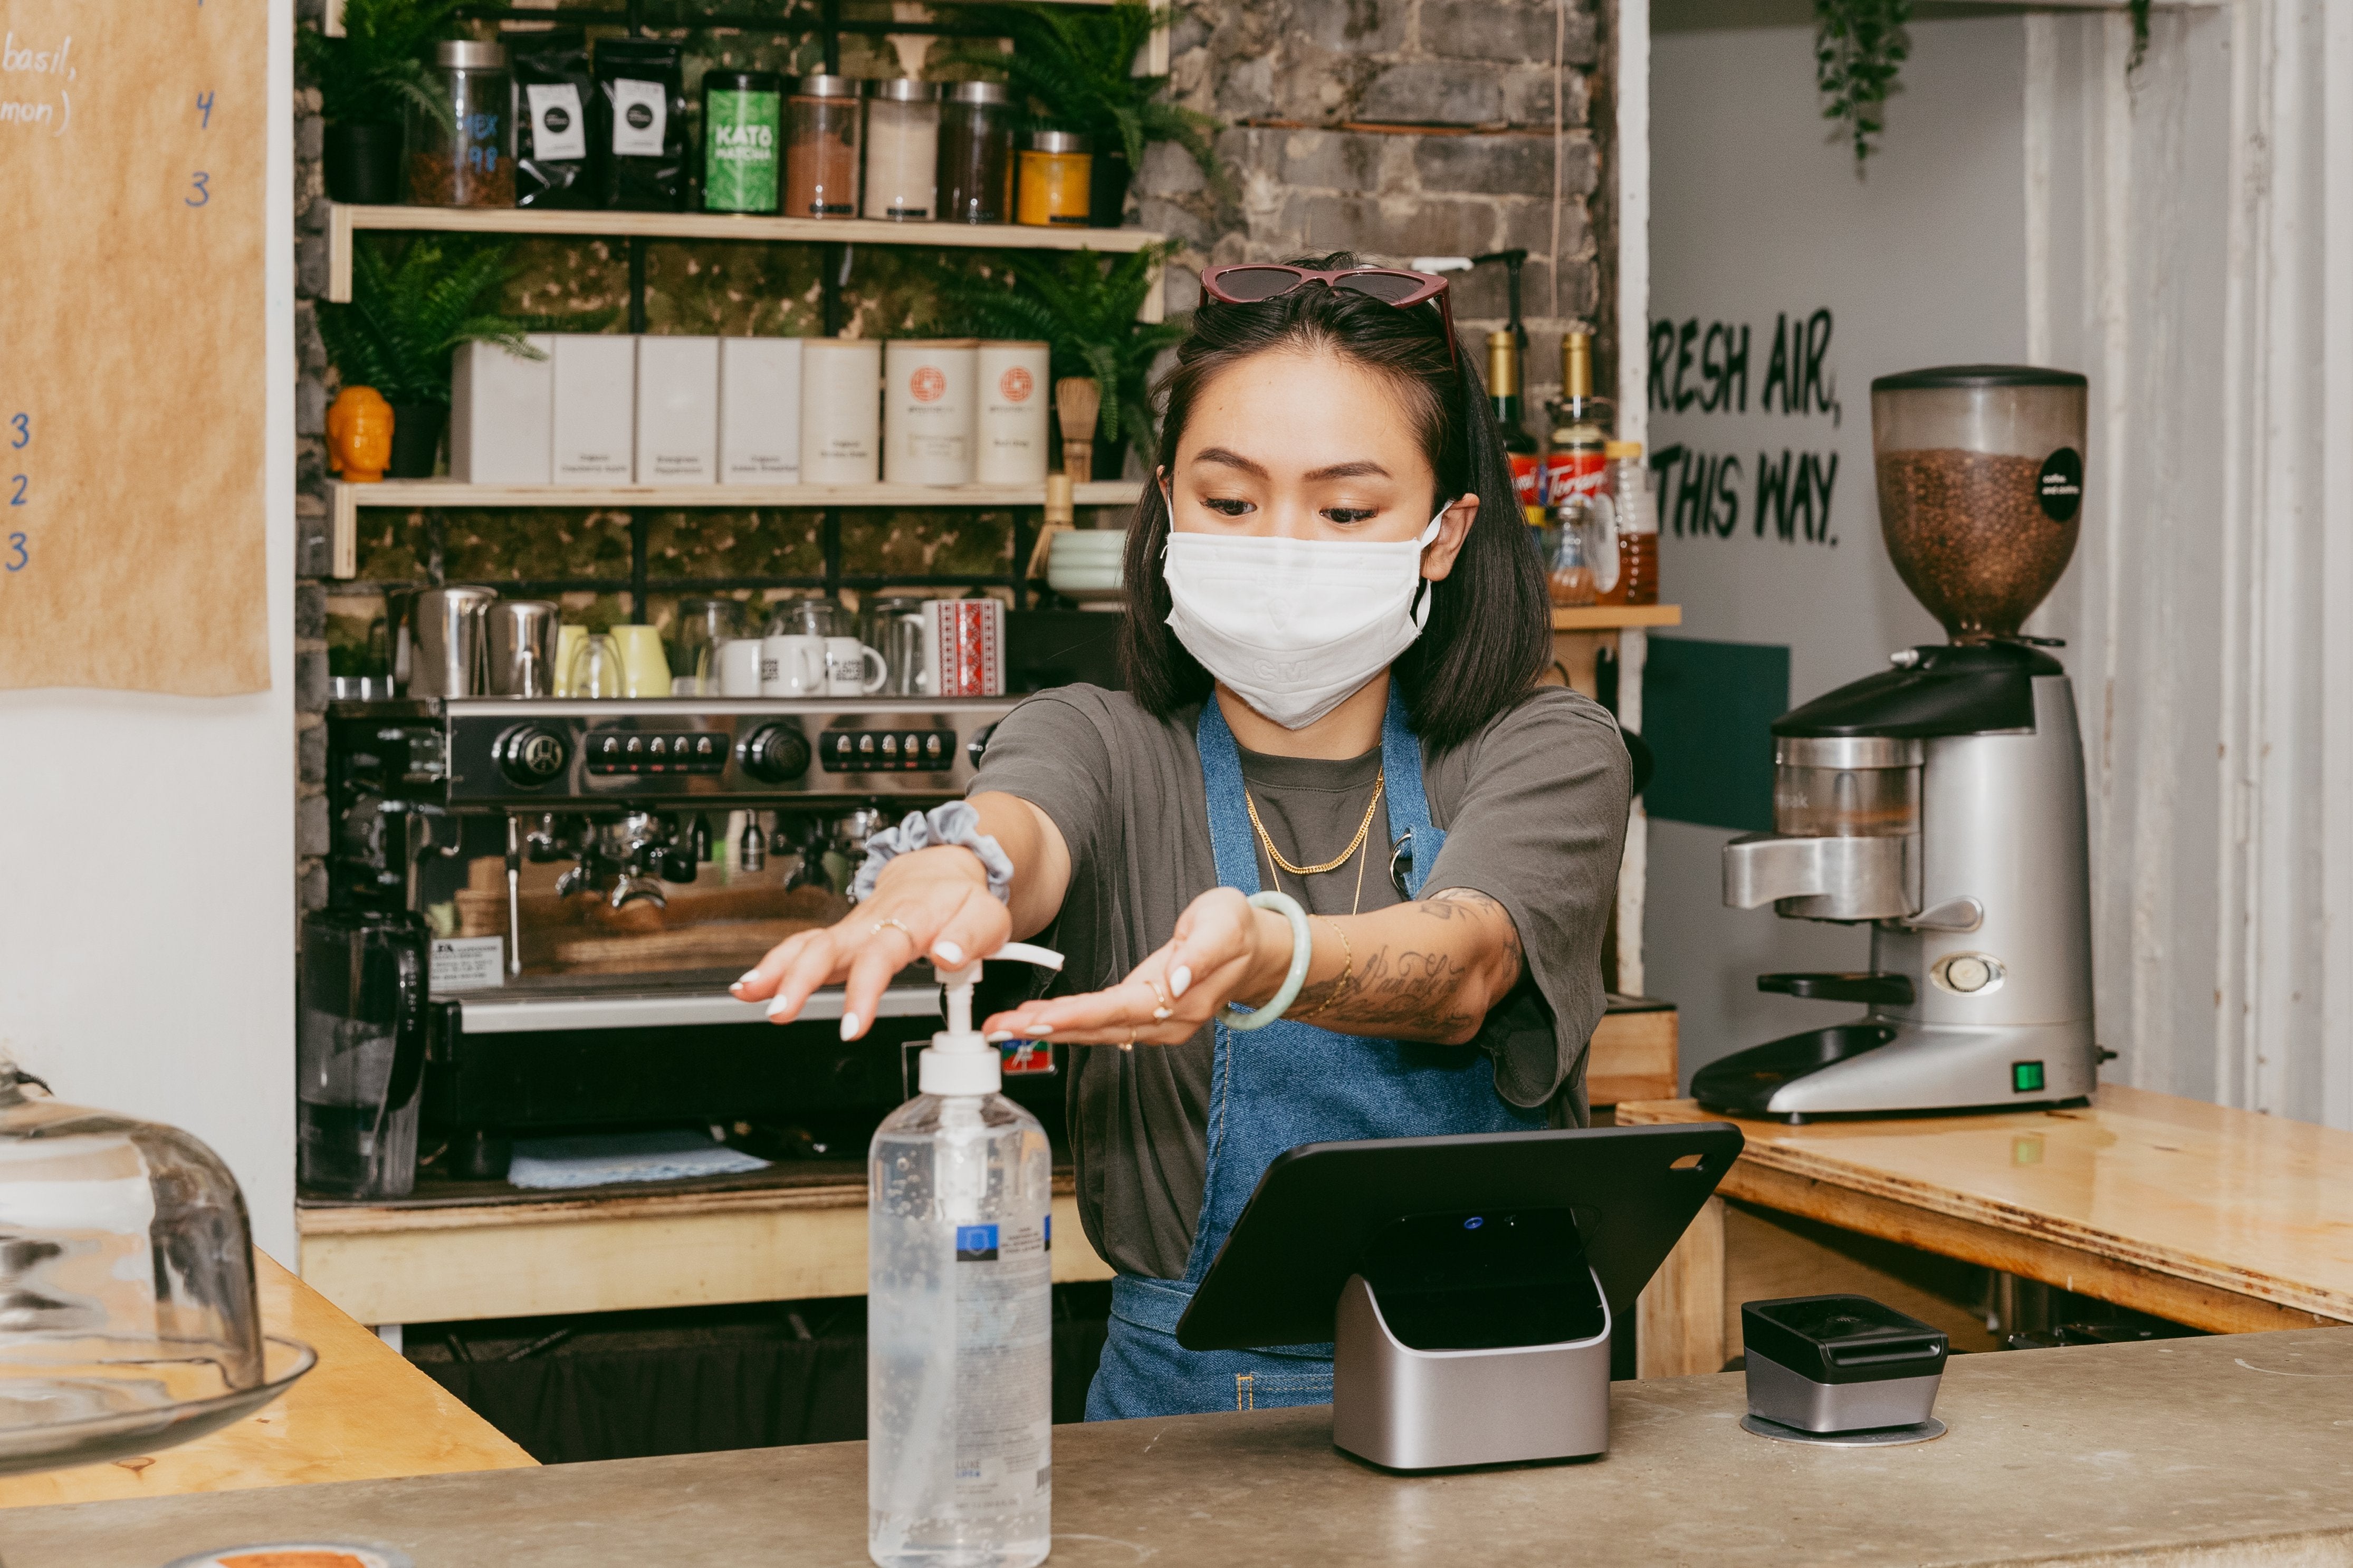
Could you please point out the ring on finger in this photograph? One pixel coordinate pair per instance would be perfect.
(895, 923)
(1162, 1011)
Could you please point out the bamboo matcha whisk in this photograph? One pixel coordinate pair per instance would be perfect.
(1077, 400)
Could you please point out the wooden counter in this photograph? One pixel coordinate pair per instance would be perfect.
(2232, 1452)
(361, 1412)
(2222, 1219)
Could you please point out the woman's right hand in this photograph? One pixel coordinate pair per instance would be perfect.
(933, 903)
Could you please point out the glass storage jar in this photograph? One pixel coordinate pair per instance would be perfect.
(975, 157)
(1057, 176)
(903, 151)
(468, 159)
(821, 148)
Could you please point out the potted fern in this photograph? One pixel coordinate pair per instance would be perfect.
(1073, 65)
(1085, 306)
(406, 318)
(366, 79)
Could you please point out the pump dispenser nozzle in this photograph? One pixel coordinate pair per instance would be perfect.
(960, 1060)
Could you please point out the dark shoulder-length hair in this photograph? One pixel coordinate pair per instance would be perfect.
(1489, 635)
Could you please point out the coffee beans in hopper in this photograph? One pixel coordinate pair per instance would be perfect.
(1970, 537)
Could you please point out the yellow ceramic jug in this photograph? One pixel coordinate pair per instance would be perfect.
(359, 435)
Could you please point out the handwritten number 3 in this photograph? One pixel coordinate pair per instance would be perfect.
(203, 194)
(24, 428)
(23, 558)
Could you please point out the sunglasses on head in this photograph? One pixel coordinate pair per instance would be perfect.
(1255, 282)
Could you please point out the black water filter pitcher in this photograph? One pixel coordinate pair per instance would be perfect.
(360, 1052)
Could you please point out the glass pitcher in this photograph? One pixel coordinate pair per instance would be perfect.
(360, 1053)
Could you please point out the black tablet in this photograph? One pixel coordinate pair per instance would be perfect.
(1486, 1204)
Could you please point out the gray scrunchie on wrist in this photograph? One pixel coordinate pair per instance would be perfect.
(958, 822)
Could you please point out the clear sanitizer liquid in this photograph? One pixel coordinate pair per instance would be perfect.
(959, 1374)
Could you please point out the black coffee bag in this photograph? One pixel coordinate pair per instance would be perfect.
(556, 151)
(641, 124)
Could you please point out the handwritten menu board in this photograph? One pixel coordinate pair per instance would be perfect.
(134, 148)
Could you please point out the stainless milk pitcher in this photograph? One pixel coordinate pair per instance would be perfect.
(522, 634)
(447, 652)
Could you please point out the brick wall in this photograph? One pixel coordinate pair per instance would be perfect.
(1401, 128)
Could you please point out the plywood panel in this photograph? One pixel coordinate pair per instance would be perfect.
(391, 1266)
(133, 373)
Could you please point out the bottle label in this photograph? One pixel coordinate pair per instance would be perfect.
(1004, 1372)
(559, 129)
(1574, 473)
(740, 151)
(1528, 479)
(640, 118)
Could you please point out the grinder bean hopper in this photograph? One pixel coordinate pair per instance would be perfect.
(1941, 802)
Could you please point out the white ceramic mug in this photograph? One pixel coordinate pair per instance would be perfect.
(792, 665)
(739, 668)
(847, 662)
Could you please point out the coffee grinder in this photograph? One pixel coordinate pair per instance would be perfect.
(1941, 801)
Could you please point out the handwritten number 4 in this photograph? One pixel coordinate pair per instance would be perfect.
(23, 424)
(203, 194)
(205, 108)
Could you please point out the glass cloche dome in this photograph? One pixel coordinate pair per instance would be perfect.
(128, 1320)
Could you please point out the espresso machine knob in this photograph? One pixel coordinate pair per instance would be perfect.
(774, 754)
(531, 754)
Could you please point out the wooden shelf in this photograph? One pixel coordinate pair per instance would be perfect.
(345, 220)
(346, 501)
(1616, 618)
(331, 23)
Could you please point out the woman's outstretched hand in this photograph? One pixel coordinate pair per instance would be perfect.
(933, 903)
(1224, 951)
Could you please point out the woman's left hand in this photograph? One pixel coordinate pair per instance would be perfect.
(1223, 950)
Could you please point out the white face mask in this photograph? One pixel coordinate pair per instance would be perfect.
(1295, 626)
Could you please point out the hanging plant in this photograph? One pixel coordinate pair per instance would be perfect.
(1859, 49)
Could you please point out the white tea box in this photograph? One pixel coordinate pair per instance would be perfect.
(595, 440)
(841, 411)
(759, 411)
(503, 415)
(678, 411)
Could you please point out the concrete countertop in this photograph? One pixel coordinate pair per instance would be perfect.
(2189, 1450)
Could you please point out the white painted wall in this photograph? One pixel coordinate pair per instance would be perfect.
(1758, 213)
(147, 941)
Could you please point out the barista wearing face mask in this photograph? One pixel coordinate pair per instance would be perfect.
(1335, 622)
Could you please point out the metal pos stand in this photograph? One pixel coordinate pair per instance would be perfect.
(1469, 1285)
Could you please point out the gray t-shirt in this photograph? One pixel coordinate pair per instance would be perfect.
(1534, 808)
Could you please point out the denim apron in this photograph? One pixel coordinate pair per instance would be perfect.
(1272, 1090)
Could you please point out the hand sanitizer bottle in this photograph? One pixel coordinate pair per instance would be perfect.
(959, 1312)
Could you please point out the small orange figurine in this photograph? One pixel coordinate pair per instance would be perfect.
(359, 435)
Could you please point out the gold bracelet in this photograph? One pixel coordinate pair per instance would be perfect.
(1348, 969)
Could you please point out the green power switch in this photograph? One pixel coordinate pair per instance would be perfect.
(2025, 1077)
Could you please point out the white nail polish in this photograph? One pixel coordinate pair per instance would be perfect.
(951, 951)
(1040, 1028)
(777, 1006)
(849, 1026)
(1179, 978)
(749, 976)
(999, 1037)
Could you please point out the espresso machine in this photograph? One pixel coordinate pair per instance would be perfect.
(600, 871)
(1941, 801)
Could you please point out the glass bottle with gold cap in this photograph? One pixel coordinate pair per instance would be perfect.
(1582, 545)
(1503, 392)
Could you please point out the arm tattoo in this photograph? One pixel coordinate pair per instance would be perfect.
(1426, 993)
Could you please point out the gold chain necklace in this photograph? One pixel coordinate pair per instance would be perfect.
(1336, 861)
